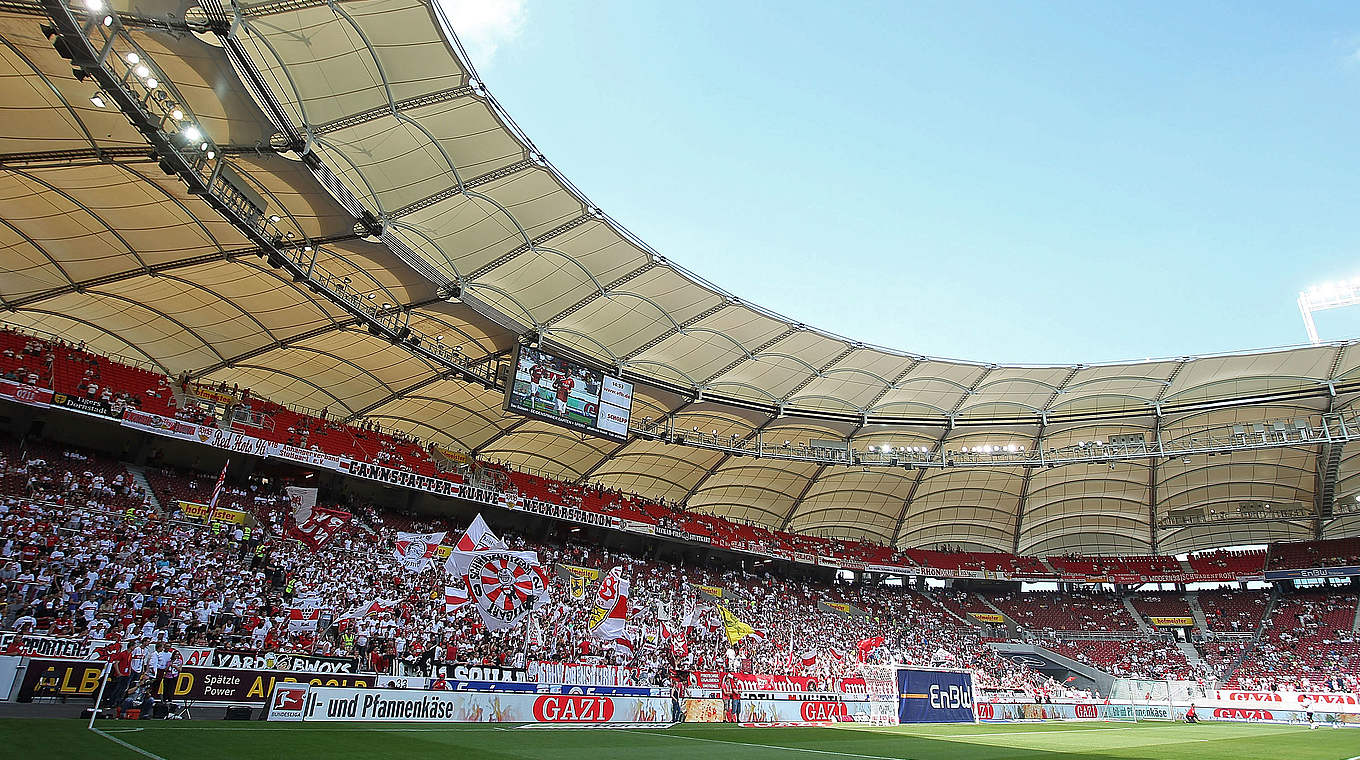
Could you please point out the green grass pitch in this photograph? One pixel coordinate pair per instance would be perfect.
(174, 740)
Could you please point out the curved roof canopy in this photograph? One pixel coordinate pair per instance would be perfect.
(101, 244)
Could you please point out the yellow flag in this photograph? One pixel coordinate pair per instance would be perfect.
(734, 628)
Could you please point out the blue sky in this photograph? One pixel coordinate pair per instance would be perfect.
(997, 181)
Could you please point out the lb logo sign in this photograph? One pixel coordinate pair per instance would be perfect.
(565, 708)
(818, 712)
(289, 702)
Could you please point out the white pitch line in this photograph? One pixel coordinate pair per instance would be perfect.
(122, 743)
(771, 746)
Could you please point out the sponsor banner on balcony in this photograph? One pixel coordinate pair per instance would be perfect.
(1162, 621)
(987, 617)
(303, 702)
(1313, 572)
(192, 510)
(24, 393)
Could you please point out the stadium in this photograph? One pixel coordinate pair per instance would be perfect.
(337, 420)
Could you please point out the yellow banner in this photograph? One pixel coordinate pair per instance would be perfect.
(987, 617)
(715, 592)
(1172, 622)
(195, 511)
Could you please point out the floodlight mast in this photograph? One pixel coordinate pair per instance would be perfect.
(1330, 295)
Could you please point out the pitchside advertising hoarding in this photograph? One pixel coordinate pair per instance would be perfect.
(934, 696)
(305, 702)
(1027, 712)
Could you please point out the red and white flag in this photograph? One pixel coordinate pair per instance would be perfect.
(303, 501)
(609, 616)
(319, 527)
(623, 646)
(217, 489)
(506, 586)
(373, 607)
(808, 658)
(305, 614)
(478, 537)
(456, 597)
(414, 551)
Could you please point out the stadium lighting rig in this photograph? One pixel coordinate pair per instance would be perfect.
(1329, 295)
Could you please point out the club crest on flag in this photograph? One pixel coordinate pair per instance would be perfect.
(503, 583)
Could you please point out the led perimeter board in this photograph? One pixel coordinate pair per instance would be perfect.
(569, 394)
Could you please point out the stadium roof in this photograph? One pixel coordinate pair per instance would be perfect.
(102, 244)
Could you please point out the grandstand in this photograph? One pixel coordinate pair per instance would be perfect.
(262, 333)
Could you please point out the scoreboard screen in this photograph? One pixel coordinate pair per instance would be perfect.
(569, 394)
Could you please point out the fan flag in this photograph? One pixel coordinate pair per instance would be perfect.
(373, 607)
(865, 646)
(610, 613)
(679, 646)
(303, 501)
(456, 597)
(217, 489)
(478, 537)
(414, 551)
(506, 586)
(318, 528)
(808, 658)
(305, 614)
(734, 628)
(624, 646)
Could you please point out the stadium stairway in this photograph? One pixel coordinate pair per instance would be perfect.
(1191, 653)
(1355, 623)
(1192, 601)
(1185, 566)
(138, 475)
(1048, 567)
(1133, 612)
(1011, 625)
(966, 620)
